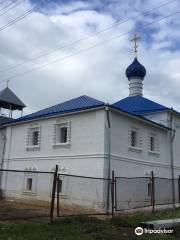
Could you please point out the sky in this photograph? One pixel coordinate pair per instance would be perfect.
(56, 53)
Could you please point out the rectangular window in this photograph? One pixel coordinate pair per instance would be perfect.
(29, 184)
(35, 137)
(152, 144)
(133, 138)
(59, 186)
(149, 189)
(61, 134)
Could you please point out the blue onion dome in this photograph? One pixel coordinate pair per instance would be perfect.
(135, 69)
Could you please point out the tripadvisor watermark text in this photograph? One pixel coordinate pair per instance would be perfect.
(139, 231)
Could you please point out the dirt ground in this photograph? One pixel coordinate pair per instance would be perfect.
(14, 210)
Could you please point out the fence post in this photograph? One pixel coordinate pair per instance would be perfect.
(152, 191)
(58, 184)
(179, 188)
(112, 193)
(53, 194)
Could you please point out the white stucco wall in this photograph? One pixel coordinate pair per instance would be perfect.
(84, 156)
(132, 192)
(164, 118)
(2, 142)
(159, 117)
(130, 163)
(86, 145)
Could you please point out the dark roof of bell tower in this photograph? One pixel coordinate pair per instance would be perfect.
(9, 100)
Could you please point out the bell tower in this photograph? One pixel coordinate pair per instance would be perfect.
(9, 101)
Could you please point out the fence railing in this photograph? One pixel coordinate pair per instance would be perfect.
(81, 195)
(31, 193)
(25, 194)
(138, 192)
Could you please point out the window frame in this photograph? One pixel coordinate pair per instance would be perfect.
(138, 141)
(61, 180)
(57, 135)
(30, 134)
(63, 193)
(156, 148)
(35, 140)
(134, 138)
(152, 143)
(62, 171)
(149, 189)
(34, 177)
(29, 184)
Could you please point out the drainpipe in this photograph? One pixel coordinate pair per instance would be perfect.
(109, 155)
(2, 163)
(172, 136)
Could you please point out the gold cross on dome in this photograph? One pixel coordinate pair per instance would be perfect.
(135, 40)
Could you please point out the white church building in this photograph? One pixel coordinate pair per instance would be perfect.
(85, 136)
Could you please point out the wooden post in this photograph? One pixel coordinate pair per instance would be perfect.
(53, 194)
(179, 188)
(112, 193)
(58, 184)
(152, 191)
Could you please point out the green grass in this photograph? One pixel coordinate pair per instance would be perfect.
(84, 228)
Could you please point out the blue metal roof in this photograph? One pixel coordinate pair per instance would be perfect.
(138, 105)
(76, 104)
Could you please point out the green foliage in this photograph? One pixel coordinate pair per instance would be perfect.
(88, 228)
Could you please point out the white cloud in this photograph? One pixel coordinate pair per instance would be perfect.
(99, 72)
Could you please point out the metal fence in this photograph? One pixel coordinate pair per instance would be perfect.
(34, 194)
(163, 188)
(132, 193)
(81, 195)
(25, 194)
(138, 192)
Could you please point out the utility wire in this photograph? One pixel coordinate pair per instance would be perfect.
(14, 6)
(6, 6)
(118, 22)
(91, 47)
(28, 12)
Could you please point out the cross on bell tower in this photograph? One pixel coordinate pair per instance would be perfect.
(7, 83)
(135, 40)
